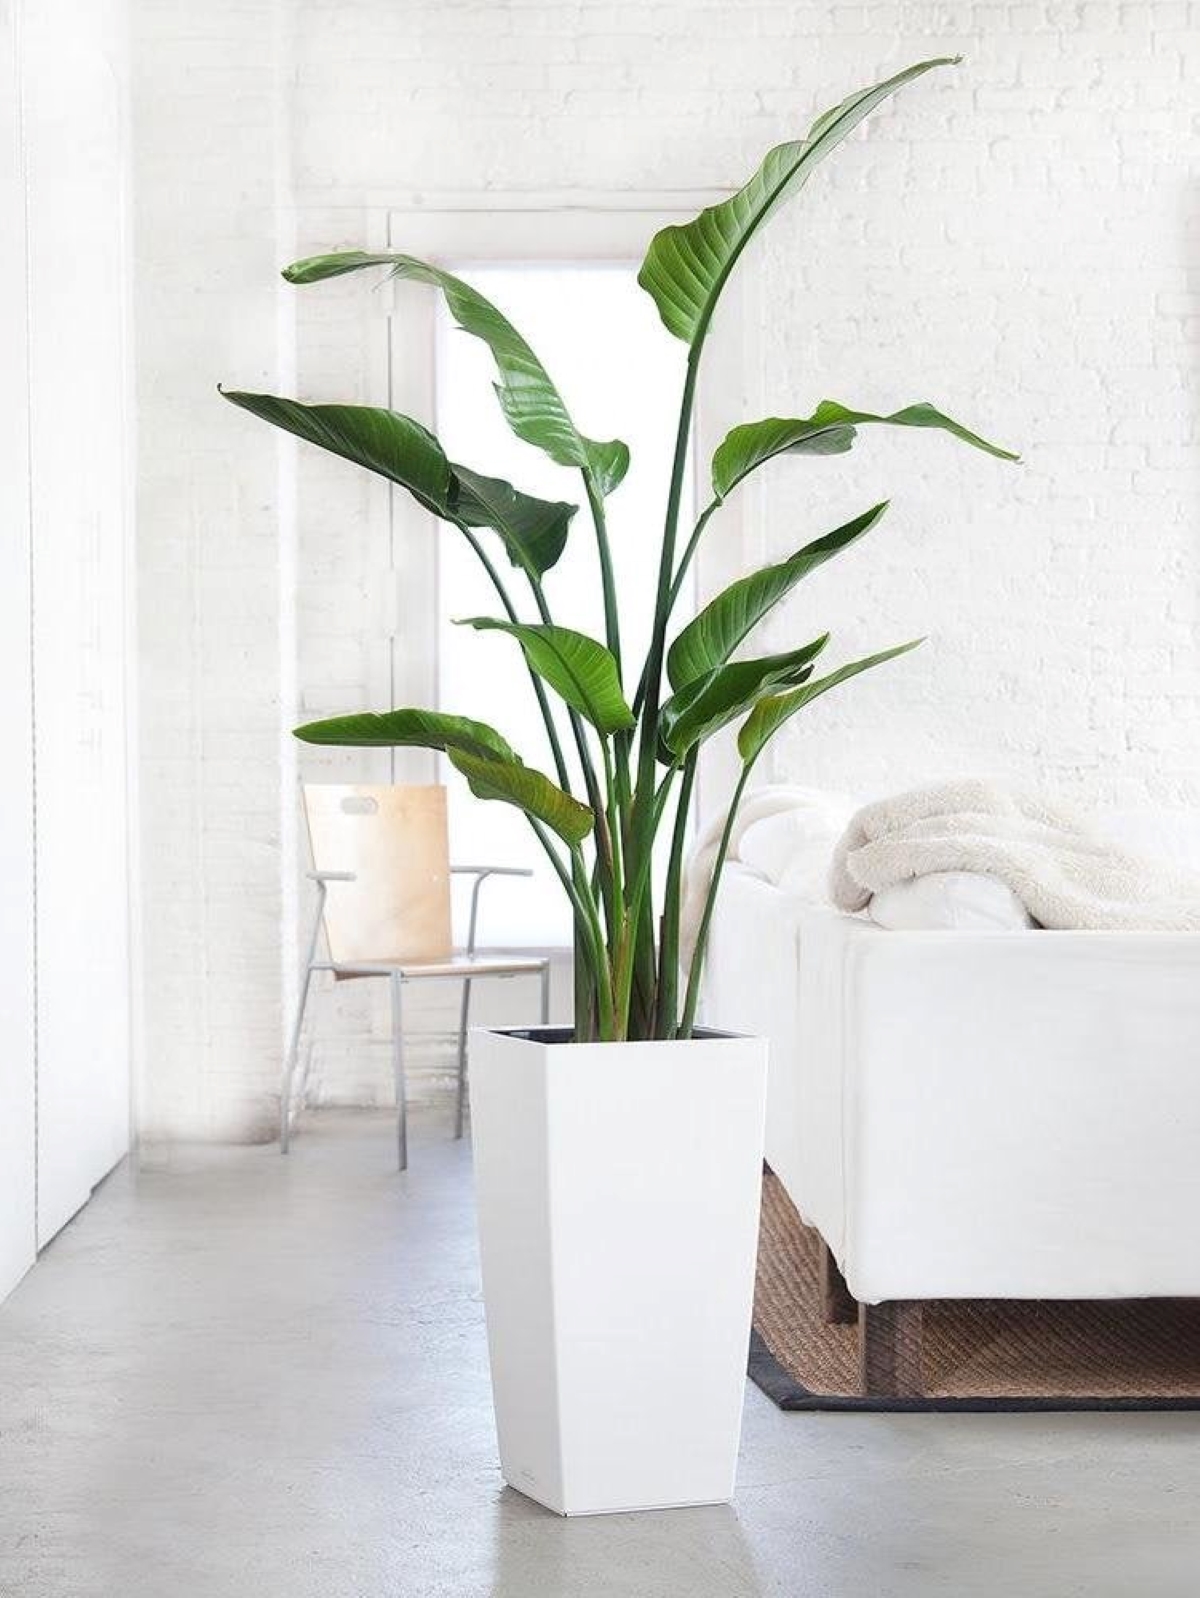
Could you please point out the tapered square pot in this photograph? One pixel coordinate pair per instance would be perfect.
(618, 1191)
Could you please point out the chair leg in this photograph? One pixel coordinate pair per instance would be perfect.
(890, 1349)
(289, 1066)
(464, 1015)
(398, 1069)
(546, 994)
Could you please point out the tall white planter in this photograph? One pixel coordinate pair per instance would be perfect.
(618, 1191)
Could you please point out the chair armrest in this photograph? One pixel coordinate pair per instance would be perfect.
(481, 874)
(491, 871)
(332, 876)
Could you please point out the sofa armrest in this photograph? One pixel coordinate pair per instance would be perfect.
(1018, 1113)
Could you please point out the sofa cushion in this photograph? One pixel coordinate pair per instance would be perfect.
(949, 901)
(793, 844)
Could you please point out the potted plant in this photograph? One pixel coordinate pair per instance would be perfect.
(617, 1161)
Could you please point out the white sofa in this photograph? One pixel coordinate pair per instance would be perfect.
(974, 1114)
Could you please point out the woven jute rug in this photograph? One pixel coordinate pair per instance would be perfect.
(976, 1354)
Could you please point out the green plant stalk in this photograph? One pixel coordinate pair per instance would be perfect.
(654, 661)
(587, 917)
(601, 968)
(654, 665)
(666, 1016)
(642, 829)
(685, 561)
(620, 816)
(676, 587)
(611, 813)
(625, 968)
(697, 966)
(604, 846)
(612, 620)
(560, 764)
(584, 995)
(569, 880)
(609, 821)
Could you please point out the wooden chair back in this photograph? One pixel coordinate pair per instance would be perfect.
(394, 839)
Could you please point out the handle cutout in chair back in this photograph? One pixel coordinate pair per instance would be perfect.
(394, 839)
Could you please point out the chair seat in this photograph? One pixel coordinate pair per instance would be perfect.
(458, 965)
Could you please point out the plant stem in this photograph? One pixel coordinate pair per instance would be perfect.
(610, 791)
(604, 845)
(676, 585)
(600, 966)
(624, 966)
(560, 764)
(666, 566)
(697, 966)
(569, 882)
(612, 622)
(686, 558)
(666, 1017)
(642, 821)
(587, 920)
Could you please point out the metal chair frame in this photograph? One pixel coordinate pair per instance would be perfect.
(466, 968)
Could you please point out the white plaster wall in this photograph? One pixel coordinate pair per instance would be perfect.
(1010, 240)
(65, 568)
(77, 150)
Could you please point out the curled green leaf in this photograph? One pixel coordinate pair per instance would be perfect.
(830, 430)
(531, 404)
(687, 266)
(514, 784)
(579, 669)
(712, 701)
(765, 720)
(413, 729)
(712, 636)
(534, 531)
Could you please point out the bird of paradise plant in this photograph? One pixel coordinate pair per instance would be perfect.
(635, 757)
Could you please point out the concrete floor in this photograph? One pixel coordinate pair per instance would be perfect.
(241, 1375)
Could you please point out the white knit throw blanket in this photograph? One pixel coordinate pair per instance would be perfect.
(1066, 875)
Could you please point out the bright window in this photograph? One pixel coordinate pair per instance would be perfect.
(620, 374)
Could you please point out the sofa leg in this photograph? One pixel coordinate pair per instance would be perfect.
(838, 1305)
(890, 1349)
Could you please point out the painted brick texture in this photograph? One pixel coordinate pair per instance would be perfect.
(1014, 240)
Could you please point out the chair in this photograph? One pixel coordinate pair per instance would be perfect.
(382, 873)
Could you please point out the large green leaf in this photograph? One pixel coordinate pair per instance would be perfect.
(577, 667)
(477, 750)
(411, 729)
(711, 637)
(515, 784)
(534, 530)
(830, 430)
(712, 701)
(765, 720)
(686, 267)
(394, 446)
(531, 403)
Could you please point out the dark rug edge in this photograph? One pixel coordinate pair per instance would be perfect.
(782, 1388)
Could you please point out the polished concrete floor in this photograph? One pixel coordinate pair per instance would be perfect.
(250, 1377)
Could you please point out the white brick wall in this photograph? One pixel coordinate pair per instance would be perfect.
(1011, 240)
(212, 515)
